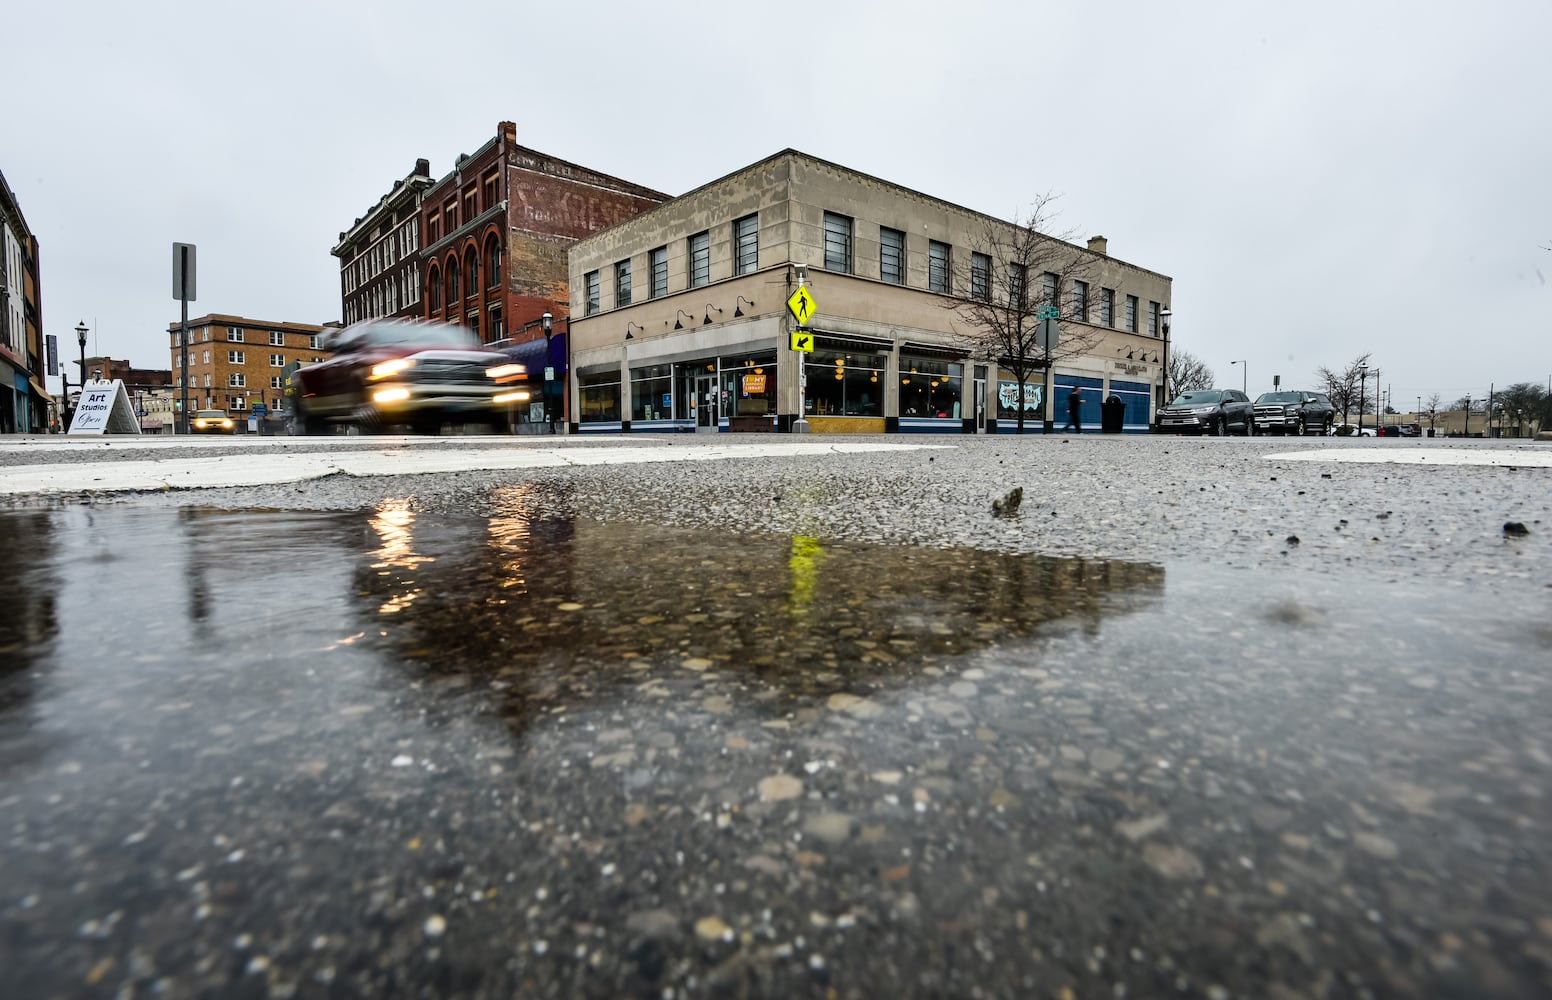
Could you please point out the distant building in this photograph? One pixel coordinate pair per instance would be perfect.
(25, 402)
(133, 378)
(679, 318)
(236, 362)
(379, 254)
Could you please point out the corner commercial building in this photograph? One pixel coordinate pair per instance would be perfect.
(25, 402)
(679, 318)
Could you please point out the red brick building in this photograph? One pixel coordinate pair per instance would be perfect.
(379, 254)
(497, 229)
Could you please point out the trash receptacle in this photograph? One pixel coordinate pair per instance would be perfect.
(1112, 415)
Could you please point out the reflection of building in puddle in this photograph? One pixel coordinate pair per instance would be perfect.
(394, 523)
(555, 606)
(29, 625)
(510, 540)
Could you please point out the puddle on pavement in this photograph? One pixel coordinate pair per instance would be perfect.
(631, 752)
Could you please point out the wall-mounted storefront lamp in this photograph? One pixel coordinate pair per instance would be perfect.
(678, 325)
(709, 308)
(737, 310)
(1131, 353)
(628, 326)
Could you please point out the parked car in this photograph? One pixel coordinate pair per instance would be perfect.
(1209, 411)
(385, 373)
(212, 422)
(1294, 412)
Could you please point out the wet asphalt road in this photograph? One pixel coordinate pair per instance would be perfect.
(787, 727)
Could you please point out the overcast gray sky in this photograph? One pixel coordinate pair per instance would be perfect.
(1320, 179)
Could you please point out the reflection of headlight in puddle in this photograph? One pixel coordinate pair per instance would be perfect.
(391, 394)
(397, 603)
(509, 397)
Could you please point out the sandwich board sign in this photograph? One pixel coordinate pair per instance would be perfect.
(104, 408)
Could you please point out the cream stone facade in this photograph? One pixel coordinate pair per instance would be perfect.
(679, 316)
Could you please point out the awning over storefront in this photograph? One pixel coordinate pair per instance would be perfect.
(531, 354)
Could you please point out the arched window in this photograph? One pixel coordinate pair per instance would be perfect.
(434, 287)
(471, 271)
(452, 283)
(493, 262)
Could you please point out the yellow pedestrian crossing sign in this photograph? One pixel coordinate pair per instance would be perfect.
(801, 305)
(803, 341)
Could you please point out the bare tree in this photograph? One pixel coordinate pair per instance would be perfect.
(1343, 387)
(1187, 373)
(1519, 405)
(1000, 312)
(1432, 409)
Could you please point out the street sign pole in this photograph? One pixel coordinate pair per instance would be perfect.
(800, 305)
(1049, 332)
(183, 291)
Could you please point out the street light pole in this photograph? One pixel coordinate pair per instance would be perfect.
(1164, 317)
(549, 368)
(80, 336)
(1363, 374)
(1244, 376)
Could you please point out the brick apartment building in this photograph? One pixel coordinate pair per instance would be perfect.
(236, 362)
(379, 254)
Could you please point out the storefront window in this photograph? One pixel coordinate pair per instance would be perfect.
(930, 388)
(1008, 397)
(600, 397)
(650, 392)
(749, 382)
(848, 384)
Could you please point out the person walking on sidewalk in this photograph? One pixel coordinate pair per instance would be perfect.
(1074, 403)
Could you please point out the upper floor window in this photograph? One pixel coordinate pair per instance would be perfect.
(234, 334)
(746, 244)
(700, 259)
(891, 255)
(837, 243)
(1131, 313)
(1080, 301)
(471, 273)
(937, 266)
(277, 338)
(980, 276)
(659, 259)
(1153, 319)
(277, 360)
(1016, 275)
(1107, 307)
(237, 379)
(1051, 284)
(591, 305)
(622, 283)
(236, 357)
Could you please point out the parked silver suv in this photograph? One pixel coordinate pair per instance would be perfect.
(1297, 412)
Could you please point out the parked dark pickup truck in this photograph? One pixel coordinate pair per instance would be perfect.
(1294, 413)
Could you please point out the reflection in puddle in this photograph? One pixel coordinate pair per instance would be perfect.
(371, 755)
(572, 609)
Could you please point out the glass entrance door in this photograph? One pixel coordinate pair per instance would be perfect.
(706, 410)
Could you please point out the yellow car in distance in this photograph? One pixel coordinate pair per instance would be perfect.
(213, 422)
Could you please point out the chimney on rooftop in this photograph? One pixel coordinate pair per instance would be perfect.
(422, 168)
(1098, 244)
(508, 131)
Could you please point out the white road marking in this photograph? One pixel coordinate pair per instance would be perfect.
(1498, 457)
(269, 467)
